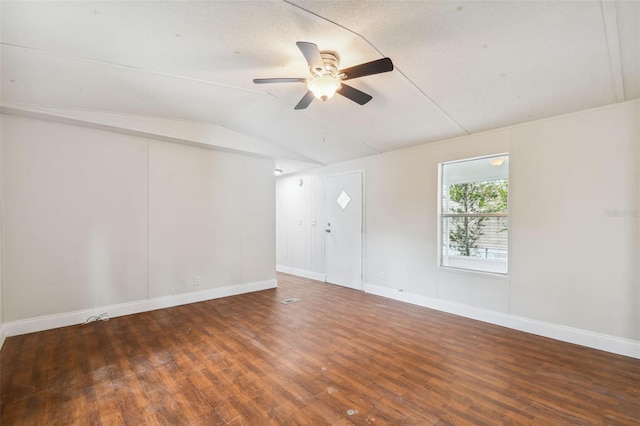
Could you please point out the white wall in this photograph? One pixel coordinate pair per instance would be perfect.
(1, 251)
(570, 264)
(211, 215)
(300, 247)
(573, 263)
(94, 218)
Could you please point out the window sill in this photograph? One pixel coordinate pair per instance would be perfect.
(480, 274)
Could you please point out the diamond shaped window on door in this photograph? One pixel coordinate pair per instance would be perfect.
(343, 200)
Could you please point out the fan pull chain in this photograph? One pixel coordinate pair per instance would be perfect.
(326, 122)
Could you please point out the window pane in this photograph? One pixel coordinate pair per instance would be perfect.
(476, 197)
(477, 170)
(478, 243)
(484, 237)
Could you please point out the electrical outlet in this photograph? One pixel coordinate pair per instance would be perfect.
(196, 280)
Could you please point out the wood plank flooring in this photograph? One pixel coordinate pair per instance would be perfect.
(338, 357)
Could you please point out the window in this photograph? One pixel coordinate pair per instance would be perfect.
(474, 214)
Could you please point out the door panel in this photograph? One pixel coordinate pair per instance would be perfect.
(343, 229)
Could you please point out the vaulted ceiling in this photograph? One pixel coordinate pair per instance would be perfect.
(182, 71)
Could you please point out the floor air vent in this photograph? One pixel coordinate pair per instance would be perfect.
(290, 301)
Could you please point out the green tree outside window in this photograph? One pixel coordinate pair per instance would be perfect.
(474, 198)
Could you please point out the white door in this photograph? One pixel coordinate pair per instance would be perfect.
(343, 229)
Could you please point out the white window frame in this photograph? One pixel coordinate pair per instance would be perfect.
(442, 216)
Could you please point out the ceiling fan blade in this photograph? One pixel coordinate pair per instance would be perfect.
(369, 68)
(279, 80)
(354, 94)
(305, 101)
(312, 54)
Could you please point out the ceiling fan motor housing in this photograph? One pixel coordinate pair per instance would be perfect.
(331, 61)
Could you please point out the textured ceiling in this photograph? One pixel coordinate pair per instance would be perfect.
(183, 71)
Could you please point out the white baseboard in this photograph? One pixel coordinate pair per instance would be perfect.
(318, 276)
(48, 322)
(578, 336)
(2, 335)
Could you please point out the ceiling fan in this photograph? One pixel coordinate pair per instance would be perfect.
(326, 80)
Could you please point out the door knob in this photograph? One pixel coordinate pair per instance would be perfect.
(327, 230)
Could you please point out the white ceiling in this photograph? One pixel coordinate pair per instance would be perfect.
(183, 71)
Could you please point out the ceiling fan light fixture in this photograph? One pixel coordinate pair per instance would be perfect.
(324, 86)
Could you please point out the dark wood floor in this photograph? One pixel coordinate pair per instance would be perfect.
(337, 357)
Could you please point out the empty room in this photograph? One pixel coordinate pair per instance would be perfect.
(287, 212)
